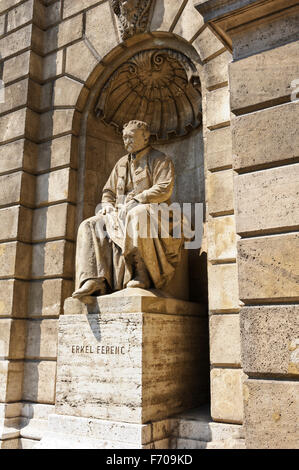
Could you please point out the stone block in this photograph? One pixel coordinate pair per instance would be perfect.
(130, 380)
(56, 186)
(6, 4)
(46, 298)
(39, 381)
(12, 338)
(15, 260)
(36, 411)
(164, 14)
(53, 259)
(264, 78)
(80, 62)
(67, 92)
(101, 34)
(227, 395)
(16, 224)
(22, 93)
(216, 70)
(20, 15)
(268, 269)
(16, 42)
(207, 44)
(52, 14)
(18, 155)
(225, 347)
(42, 339)
(223, 291)
(221, 192)
(63, 33)
(53, 65)
(271, 414)
(266, 35)
(17, 188)
(266, 137)
(267, 200)
(16, 67)
(189, 22)
(58, 152)
(11, 377)
(2, 24)
(13, 295)
(270, 343)
(218, 108)
(10, 410)
(52, 222)
(22, 123)
(71, 8)
(219, 148)
(59, 121)
(222, 243)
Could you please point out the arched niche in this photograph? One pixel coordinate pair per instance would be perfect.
(175, 68)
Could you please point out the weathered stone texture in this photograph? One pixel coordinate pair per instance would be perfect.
(46, 297)
(221, 192)
(189, 22)
(12, 338)
(271, 414)
(267, 200)
(270, 342)
(16, 224)
(266, 35)
(15, 260)
(58, 152)
(71, 8)
(264, 78)
(19, 155)
(164, 14)
(56, 186)
(223, 297)
(266, 137)
(225, 347)
(41, 339)
(17, 188)
(226, 395)
(39, 381)
(16, 42)
(63, 34)
(216, 70)
(21, 123)
(20, 15)
(207, 44)
(51, 222)
(13, 298)
(102, 37)
(53, 65)
(52, 259)
(219, 148)
(218, 108)
(268, 268)
(222, 239)
(80, 61)
(11, 375)
(59, 121)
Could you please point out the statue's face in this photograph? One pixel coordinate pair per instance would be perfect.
(134, 140)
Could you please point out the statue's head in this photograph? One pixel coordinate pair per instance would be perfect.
(136, 135)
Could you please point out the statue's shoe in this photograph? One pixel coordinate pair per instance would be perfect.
(135, 283)
(89, 288)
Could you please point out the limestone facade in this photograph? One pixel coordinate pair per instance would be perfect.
(241, 162)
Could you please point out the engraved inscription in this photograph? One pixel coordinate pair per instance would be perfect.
(101, 349)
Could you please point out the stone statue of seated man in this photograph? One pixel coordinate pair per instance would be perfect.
(113, 250)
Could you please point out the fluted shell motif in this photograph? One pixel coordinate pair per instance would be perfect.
(158, 87)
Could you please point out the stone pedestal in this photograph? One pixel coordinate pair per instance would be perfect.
(127, 362)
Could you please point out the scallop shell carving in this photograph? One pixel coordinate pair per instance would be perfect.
(158, 87)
